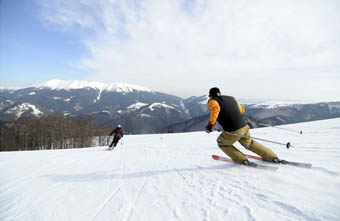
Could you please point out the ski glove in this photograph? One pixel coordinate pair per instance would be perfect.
(209, 127)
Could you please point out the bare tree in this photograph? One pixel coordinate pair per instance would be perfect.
(50, 132)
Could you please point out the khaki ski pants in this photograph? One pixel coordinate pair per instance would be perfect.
(225, 141)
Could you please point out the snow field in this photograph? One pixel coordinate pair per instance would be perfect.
(173, 177)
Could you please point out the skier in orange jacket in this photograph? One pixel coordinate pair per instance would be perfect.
(230, 115)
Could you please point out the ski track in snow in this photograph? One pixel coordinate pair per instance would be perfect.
(108, 199)
(191, 190)
(326, 171)
(105, 202)
(172, 177)
(135, 201)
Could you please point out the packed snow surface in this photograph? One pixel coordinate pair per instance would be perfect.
(173, 177)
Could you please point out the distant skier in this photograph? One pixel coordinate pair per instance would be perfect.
(118, 134)
(230, 115)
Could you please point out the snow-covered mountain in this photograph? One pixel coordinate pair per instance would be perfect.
(72, 85)
(278, 114)
(196, 106)
(140, 109)
(110, 103)
(22, 108)
(173, 177)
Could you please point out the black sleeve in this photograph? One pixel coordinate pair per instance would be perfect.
(112, 132)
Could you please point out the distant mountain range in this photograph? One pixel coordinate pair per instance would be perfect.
(139, 109)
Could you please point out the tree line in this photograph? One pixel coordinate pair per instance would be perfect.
(51, 132)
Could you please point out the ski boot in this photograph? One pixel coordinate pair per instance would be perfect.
(248, 163)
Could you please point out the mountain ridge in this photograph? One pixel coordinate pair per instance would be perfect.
(139, 109)
(79, 84)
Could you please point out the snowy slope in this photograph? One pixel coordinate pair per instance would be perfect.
(172, 177)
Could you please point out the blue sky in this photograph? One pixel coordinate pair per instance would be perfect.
(32, 52)
(267, 49)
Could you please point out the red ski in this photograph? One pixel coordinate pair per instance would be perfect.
(215, 157)
(251, 164)
(253, 157)
(291, 163)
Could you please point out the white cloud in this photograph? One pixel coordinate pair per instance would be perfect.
(185, 47)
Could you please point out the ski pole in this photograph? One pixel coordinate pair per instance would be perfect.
(268, 125)
(256, 138)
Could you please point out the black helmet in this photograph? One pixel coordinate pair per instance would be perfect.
(119, 126)
(214, 92)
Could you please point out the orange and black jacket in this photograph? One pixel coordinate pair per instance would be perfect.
(227, 112)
